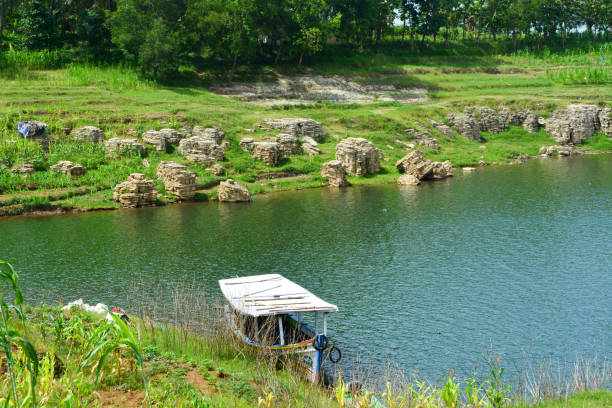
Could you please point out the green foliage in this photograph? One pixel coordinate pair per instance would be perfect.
(94, 33)
(36, 28)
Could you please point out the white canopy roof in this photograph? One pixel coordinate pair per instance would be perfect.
(264, 295)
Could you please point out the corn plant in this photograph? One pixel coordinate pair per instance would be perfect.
(395, 399)
(113, 337)
(497, 392)
(450, 392)
(340, 392)
(11, 338)
(472, 394)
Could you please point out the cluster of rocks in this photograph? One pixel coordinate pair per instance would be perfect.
(136, 191)
(36, 131)
(422, 139)
(578, 122)
(415, 164)
(466, 126)
(298, 127)
(560, 150)
(69, 168)
(230, 191)
(201, 150)
(310, 146)
(269, 152)
(26, 169)
(119, 147)
(90, 134)
(160, 139)
(289, 144)
(177, 179)
(333, 171)
(358, 156)
(442, 128)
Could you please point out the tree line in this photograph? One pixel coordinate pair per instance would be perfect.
(160, 35)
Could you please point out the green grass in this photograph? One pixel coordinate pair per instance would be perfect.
(66, 95)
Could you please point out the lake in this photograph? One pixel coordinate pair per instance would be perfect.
(510, 260)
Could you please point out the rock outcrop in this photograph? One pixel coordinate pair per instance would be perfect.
(156, 138)
(531, 123)
(270, 152)
(89, 134)
(408, 180)
(216, 169)
(415, 164)
(510, 117)
(574, 124)
(333, 171)
(213, 134)
(605, 121)
(26, 169)
(177, 179)
(466, 126)
(298, 127)
(442, 128)
(358, 156)
(422, 139)
(116, 146)
(289, 144)
(69, 168)
(36, 131)
(560, 150)
(230, 191)
(172, 136)
(246, 144)
(488, 119)
(201, 150)
(136, 191)
(310, 146)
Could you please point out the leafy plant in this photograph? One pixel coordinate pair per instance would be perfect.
(113, 337)
(450, 392)
(497, 392)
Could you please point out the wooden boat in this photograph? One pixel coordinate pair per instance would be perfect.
(267, 311)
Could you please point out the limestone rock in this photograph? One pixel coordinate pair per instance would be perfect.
(136, 191)
(225, 145)
(422, 139)
(186, 131)
(466, 126)
(442, 170)
(298, 127)
(216, 169)
(573, 124)
(36, 131)
(116, 146)
(289, 144)
(172, 136)
(408, 180)
(311, 149)
(230, 191)
(201, 150)
(531, 124)
(156, 138)
(469, 169)
(90, 134)
(605, 121)
(177, 179)
(442, 128)
(246, 144)
(333, 171)
(560, 150)
(214, 134)
(358, 156)
(415, 164)
(488, 119)
(510, 117)
(69, 168)
(270, 152)
(26, 169)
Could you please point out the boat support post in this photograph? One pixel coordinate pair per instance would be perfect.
(316, 323)
(325, 324)
(280, 330)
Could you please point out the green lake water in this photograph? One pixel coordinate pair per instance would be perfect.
(509, 260)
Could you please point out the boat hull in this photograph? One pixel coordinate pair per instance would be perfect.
(306, 359)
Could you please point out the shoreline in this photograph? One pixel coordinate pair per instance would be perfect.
(57, 210)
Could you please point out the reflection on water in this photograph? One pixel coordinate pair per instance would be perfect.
(512, 258)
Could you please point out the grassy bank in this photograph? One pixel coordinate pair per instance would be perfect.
(74, 358)
(114, 98)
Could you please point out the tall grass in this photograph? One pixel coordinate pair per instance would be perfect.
(111, 77)
(18, 64)
(591, 74)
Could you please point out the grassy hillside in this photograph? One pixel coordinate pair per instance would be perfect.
(116, 99)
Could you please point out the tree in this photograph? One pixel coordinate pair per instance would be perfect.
(93, 32)
(36, 28)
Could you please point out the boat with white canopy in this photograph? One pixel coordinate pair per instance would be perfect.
(267, 311)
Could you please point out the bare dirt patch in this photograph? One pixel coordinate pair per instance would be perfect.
(313, 88)
(194, 378)
(128, 399)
